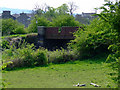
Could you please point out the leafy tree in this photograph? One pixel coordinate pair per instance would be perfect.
(103, 31)
(37, 21)
(112, 16)
(51, 13)
(63, 9)
(65, 20)
(10, 26)
(94, 39)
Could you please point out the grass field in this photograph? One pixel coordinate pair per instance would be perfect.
(62, 75)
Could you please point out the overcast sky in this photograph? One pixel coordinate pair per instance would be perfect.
(83, 5)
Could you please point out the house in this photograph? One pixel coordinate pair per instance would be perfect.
(7, 14)
(21, 18)
(88, 15)
(16, 15)
(85, 18)
(24, 19)
(81, 19)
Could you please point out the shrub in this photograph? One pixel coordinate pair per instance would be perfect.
(9, 26)
(21, 57)
(94, 39)
(20, 30)
(61, 56)
(31, 38)
(24, 53)
(5, 44)
(40, 57)
(24, 56)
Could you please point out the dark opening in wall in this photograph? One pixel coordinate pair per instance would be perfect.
(52, 44)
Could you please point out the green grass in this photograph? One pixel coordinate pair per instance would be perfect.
(62, 75)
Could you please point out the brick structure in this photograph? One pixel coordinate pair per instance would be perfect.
(51, 38)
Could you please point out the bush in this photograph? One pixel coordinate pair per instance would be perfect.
(24, 56)
(20, 30)
(10, 26)
(61, 56)
(40, 57)
(31, 38)
(94, 39)
(21, 57)
(5, 44)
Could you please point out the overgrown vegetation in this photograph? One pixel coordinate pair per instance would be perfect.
(10, 26)
(94, 39)
(61, 56)
(102, 34)
(59, 21)
(24, 56)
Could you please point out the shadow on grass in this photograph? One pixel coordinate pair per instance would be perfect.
(91, 60)
(23, 68)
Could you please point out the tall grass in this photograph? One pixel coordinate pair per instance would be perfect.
(61, 56)
(24, 56)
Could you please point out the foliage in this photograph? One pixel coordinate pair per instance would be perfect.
(20, 30)
(10, 26)
(51, 13)
(100, 34)
(59, 21)
(5, 44)
(24, 56)
(63, 9)
(94, 39)
(65, 20)
(61, 56)
(40, 57)
(38, 21)
(112, 16)
(31, 38)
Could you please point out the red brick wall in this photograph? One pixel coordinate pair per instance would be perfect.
(66, 32)
(51, 32)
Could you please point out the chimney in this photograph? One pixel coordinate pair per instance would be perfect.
(6, 13)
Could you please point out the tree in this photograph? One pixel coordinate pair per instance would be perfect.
(51, 13)
(10, 26)
(63, 9)
(72, 7)
(65, 20)
(40, 9)
(112, 16)
(37, 21)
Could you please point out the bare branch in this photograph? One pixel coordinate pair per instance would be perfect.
(72, 7)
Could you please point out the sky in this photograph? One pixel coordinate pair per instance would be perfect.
(85, 6)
